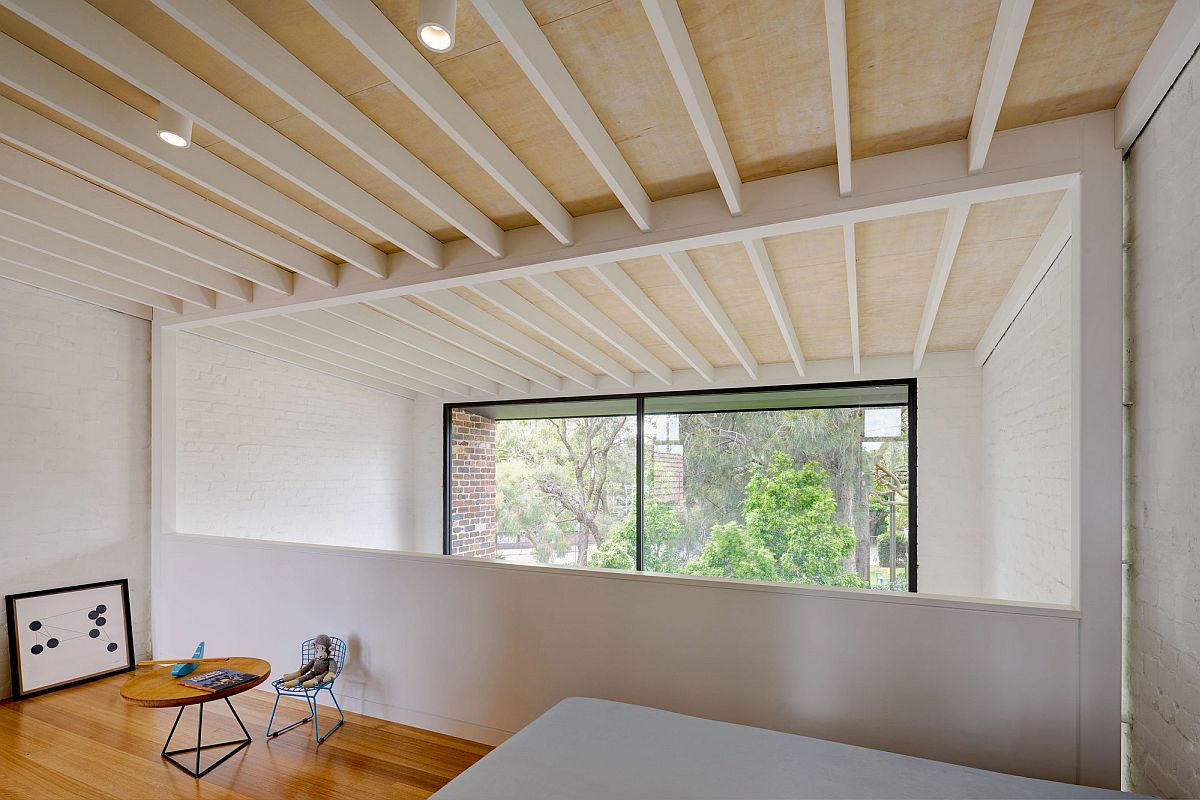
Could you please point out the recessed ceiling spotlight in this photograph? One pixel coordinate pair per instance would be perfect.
(173, 127)
(435, 26)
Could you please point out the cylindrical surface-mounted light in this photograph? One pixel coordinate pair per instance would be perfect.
(435, 25)
(173, 127)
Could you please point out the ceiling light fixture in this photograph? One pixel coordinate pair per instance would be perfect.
(435, 26)
(173, 127)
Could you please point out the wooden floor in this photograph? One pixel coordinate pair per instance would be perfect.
(87, 742)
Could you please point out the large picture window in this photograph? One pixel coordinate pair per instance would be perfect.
(807, 485)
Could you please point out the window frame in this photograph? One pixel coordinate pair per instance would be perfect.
(640, 414)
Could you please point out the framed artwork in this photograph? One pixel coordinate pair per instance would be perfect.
(61, 637)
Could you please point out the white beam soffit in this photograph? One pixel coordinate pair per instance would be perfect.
(372, 33)
(850, 247)
(757, 250)
(839, 77)
(230, 33)
(666, 21)
(956, 220)
(88, 294)
(67, 149)
(519, 33)
(35, 175)
(618, 280)
(686, 272)
(31, 73)
(1022, 161)
(93, 33)
(1002, 57)
(1169, 53)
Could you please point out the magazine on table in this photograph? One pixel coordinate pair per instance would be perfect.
(218, 679)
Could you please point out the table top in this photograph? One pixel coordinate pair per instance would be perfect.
(158, 688)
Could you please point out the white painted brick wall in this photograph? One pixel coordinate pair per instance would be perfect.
(1026, 500)
(74, 450)
(1163, 201)
(270, 450)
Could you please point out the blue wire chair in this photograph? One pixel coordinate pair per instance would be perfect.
(307, 652)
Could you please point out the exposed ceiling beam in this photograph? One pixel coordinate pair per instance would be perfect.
(1002, 57)
(16, 229)
(1169, 53)
(956, 220)
(58, 285)
(71, 271)
(685, 270)
(96, 35)
(405, 310)
(368, 29)
(35, 175)
(455, 363)
(471, 314)
(553, 286)
(851, 251)
(765, 270)
(512, 302)
(23, 204)
(839, 77)
(676, 45)
(524, 40)
(48, 83)
(67, 149)
(1024, 161)
(324, 329)
(624, 287)
(1043, 255)
(315, 364)
(230, 33)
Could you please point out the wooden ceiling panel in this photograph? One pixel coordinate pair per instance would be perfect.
(450, 318)
(811, 269)
(895, 264)
(522, 326)
(915, 70)
(1077, 57)
(728, 272)
(767, 66)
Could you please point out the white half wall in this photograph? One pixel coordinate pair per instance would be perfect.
(271, 450)
(74, 450)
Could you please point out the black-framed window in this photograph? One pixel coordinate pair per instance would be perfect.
(810, 484)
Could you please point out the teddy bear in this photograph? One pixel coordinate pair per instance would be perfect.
(321, 668)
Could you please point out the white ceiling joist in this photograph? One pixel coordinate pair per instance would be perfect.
(317, 365)
(86, 293)
(16, 229)
(70, 95)
(76, 273)
(512, 302)
(1169, 53)
(1011, 20)
(553, 286)
(53, 183)
(667, 22)
(765, 270)
(323, 329)
(851, 251)
(368, 29)
(67, 149)
(452, 362)
(228, 31)
(49, 214)
(524, 40)
(1043, 255)
(618, 280)
(956, 220)
(685, 270)
(93, 33)
(421, 318)
(469, 313)
(839, 77)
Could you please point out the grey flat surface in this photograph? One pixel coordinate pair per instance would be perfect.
(586, 749)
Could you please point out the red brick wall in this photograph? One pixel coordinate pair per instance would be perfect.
(472, 485)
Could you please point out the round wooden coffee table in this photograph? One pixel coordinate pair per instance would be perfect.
(158, 688)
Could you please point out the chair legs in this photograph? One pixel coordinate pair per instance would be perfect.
(311, 698)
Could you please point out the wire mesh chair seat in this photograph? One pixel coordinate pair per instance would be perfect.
(309, 693)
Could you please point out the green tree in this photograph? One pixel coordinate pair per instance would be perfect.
(662, 532)
(731, 552)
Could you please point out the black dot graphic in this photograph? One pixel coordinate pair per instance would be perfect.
(101, 620)
(101, 608)
(52, 643)
(112, 647)
(94, 633)
(93, 614)
(37, 648)
(35, 626)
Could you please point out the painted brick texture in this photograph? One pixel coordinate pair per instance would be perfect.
(472, 485)
(1163, 604)
(74, 450)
